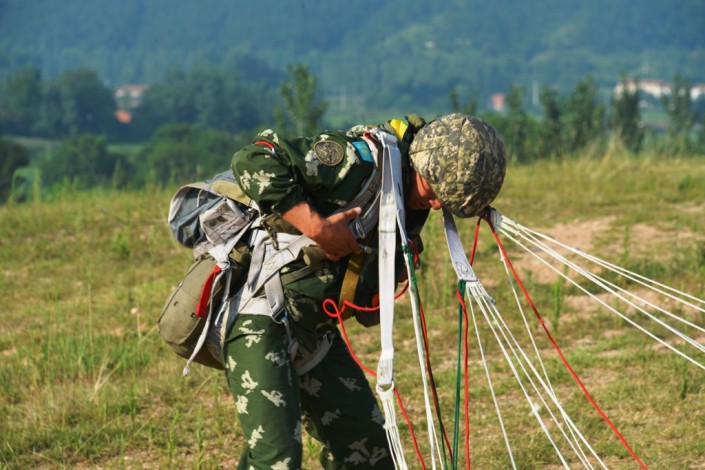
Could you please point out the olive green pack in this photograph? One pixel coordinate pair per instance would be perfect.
(179, 325)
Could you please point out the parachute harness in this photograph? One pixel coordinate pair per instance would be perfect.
(391, 217)
(529, 372)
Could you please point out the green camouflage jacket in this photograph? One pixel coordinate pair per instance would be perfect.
(327, 170)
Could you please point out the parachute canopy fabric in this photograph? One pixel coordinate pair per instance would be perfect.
(463, 159)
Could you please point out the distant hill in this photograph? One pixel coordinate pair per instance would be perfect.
(389, 53)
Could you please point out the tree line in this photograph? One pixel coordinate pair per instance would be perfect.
(189, 123)
(579, 120)
(185, 129)
(77, 102)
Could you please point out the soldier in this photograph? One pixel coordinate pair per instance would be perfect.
(307, 185)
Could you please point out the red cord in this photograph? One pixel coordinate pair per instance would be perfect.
(474, 241)
(560, 352)
(204, 299)
(417, 451)
(436, 401)
(336, 312)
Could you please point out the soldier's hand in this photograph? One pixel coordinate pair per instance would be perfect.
(335, 237)
(332, 234)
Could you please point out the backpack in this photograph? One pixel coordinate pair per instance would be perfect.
(224, 229)
(212, 218)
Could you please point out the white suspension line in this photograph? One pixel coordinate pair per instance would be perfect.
(505, 330)
(489, 382)
(435, 445)
(636, 277)
(556, 255)
(525, 320)
(534, 411)
(572, 428)
(606, 286)
(609, 307)
(614, 290)
(390, 427)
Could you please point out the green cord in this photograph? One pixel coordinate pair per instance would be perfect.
(410, 260)
(458, 377)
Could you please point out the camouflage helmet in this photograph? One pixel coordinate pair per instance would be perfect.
(463, 159)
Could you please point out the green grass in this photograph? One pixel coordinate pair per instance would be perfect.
(86, 382)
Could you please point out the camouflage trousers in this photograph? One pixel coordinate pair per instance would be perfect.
(333, 401)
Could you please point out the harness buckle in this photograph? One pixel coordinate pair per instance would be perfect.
(358, 229)
(282, 317)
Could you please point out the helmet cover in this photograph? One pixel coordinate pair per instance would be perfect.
(463, 160)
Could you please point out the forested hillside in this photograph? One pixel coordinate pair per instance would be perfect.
(382, 52)
(203, 76)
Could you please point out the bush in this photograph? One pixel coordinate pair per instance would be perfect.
(85, 162)
(181, 152)
(12, 158)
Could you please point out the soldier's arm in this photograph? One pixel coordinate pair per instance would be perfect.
(267, 177)
(278, 175)
(331, 234)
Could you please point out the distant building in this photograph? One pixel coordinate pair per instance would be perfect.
(652, 87)
(697, 91)
(656, 88)
(123, 116)
(498, 101)
(129, 96)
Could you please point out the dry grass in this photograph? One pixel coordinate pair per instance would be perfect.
(85, 381)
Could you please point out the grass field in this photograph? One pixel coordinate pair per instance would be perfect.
(85, 381)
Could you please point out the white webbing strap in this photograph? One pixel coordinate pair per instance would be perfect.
(391, 203)
(204, 333)
(264, 272)
(266, 262)
(475, 290)
(391, 213)
(462, 267)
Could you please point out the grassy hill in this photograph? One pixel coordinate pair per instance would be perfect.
(86, 382)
